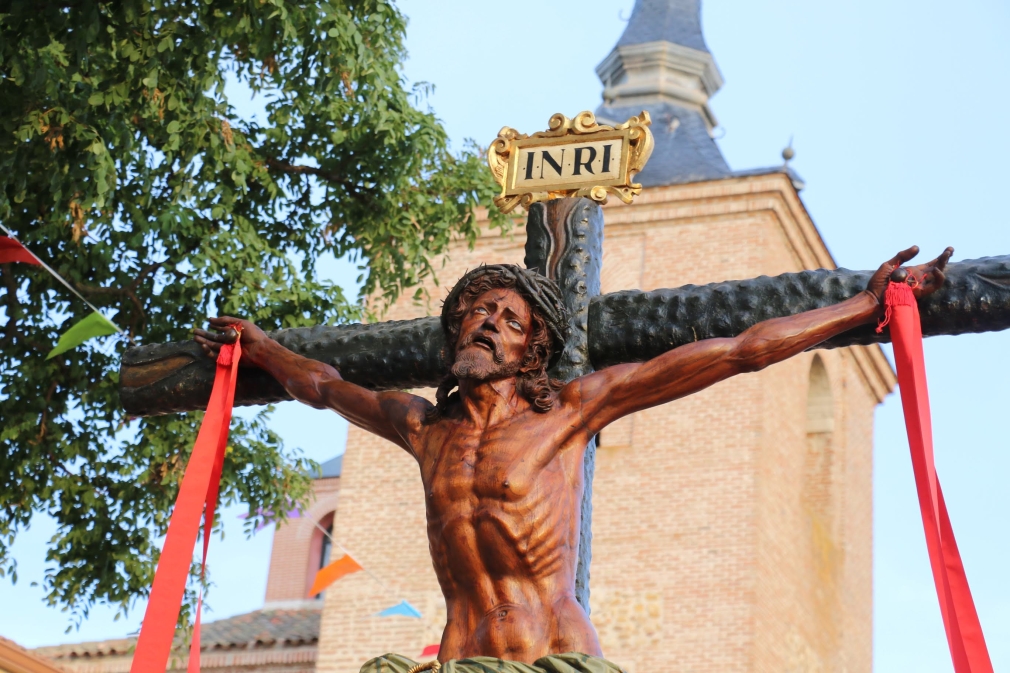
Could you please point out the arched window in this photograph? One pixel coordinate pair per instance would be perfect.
(818, 493)
(319, 550)
(324, 554)
(820, 402)
(820, 432)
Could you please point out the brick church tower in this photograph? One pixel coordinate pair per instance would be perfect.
(732, 529)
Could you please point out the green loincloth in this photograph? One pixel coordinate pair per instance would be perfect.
(571, 662)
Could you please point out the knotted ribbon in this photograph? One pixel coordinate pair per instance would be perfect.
(197, 496)
(964, 632)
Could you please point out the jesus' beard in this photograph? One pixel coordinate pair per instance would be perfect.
(470, 364)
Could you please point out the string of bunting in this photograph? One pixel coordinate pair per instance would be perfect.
(347, 565)
(93, 325)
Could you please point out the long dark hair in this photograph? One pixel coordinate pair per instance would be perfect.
(549, 322)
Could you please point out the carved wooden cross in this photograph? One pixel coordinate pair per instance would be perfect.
(564, 239)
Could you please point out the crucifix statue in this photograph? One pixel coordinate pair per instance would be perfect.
(530, 364)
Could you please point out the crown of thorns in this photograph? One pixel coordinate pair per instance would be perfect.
(540, 292)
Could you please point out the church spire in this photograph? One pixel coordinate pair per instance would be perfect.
(661, 64)
(665, 21)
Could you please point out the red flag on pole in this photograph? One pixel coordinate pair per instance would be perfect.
(199, 490)
(964, 631)
(12, 251)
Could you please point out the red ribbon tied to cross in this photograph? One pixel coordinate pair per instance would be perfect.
(197, 496)
(964, 632)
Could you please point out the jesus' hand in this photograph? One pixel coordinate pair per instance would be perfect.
(925, 279)
(228, 330)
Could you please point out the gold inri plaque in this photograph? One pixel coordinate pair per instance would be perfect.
(574, 157)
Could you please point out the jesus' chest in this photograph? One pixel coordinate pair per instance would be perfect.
(505, 463)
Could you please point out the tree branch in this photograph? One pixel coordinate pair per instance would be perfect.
(116, 291)
(293, 169)
(45, 412)
(130, 291)
(328, 176)
(13, 305)
(144, 273)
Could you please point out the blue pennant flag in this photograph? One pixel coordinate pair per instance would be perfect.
(402, 608)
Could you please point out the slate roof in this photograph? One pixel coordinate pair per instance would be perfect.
(331, 468)
(677, 21)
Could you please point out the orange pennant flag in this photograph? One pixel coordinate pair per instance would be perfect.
(344, 565)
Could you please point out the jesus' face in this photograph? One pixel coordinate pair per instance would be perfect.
(493, 336)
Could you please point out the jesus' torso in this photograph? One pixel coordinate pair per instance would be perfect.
(503, 509)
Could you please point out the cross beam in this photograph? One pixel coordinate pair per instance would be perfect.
(565, 242)
(628, 326)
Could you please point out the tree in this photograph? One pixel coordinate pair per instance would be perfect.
(125, 167)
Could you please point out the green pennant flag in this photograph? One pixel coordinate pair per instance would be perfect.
(94, 325)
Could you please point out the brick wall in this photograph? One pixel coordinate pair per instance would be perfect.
(732, 529)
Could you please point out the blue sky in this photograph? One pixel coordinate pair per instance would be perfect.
(898, 114)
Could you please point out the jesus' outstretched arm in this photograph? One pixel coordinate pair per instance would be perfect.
(393, 415)
(617, 391)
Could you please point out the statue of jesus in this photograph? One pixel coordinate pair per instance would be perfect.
(501, 451)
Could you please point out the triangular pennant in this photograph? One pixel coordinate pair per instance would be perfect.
(326, 576)
(94, 325)
(12, 251)
(430, 651)
(402, 608)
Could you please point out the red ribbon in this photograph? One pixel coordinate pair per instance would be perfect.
(964, 632)
(197, 496)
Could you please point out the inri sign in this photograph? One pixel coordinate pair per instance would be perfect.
(574, 157)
